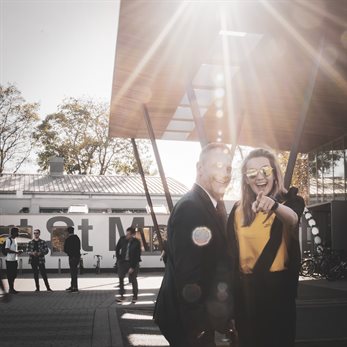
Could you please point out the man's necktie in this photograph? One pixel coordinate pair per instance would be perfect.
(222, 212)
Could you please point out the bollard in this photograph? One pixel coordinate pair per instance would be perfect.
(20, 266)
(59, 266)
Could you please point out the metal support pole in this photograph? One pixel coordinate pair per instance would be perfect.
(303, 115)
(235, 139)
(197, 116)
(148, 197)
(157, 158)
(200, 126)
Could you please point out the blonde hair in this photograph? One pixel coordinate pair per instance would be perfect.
(247, 194)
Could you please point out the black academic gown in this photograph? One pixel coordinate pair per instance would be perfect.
(265, 301)
(195, 294)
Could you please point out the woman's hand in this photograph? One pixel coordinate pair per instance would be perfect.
(263, 203)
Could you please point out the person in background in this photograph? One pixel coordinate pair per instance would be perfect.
(72, 247)
(263, 231)
(11, 247)
(195, 298)
(128, 253)
(4, 294)
(163, 254)
(37, 250)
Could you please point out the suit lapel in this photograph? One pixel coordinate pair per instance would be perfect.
(210, 208)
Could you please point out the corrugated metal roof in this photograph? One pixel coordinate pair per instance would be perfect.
(86, 184)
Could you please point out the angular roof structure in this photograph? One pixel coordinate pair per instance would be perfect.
(254, 67)
(86, 184)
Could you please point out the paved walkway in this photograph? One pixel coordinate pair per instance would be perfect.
(93, 318)
(59, 318)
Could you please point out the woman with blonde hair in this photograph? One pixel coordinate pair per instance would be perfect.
(263, 231)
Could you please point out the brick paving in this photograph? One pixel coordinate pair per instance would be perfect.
(60, 318)
(93, 318)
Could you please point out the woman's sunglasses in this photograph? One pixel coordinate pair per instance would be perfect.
(266, 171)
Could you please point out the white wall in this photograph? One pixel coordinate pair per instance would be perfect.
(94, 230)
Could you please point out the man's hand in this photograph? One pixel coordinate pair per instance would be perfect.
(232, 334)
(131, 270)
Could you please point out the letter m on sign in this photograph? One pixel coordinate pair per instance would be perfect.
(116, 228)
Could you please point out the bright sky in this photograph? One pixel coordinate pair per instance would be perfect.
(52, 49)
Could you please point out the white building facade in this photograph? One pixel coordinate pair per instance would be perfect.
(100, 208)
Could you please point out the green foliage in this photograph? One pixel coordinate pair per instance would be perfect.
(78, 132)
(17, 122)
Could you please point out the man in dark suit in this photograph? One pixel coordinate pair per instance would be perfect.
(195, 296)
(128, 252)
(72, 247)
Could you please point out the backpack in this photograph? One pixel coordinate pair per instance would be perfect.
(3, 245)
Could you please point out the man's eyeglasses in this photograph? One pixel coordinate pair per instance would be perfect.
(266, 171)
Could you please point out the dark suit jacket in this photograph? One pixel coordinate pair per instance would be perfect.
(194, 294)
(134, 250)
(72, 246)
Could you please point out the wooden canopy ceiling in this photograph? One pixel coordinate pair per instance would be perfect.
(250, 63)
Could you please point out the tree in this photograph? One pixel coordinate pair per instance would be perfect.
(324, 161)
(78, 132)
(300, 177)
(17, 122)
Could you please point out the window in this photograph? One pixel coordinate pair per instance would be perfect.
(53, 209)
(157, 209)
(24, 236)
(339, 170)
(312, 175)
(4, 233)
(78, 209)
(149, 239)
(327, 165)
(98, 210)
(328, 172)
(59, 235)
(129, 210)
(320, 169)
